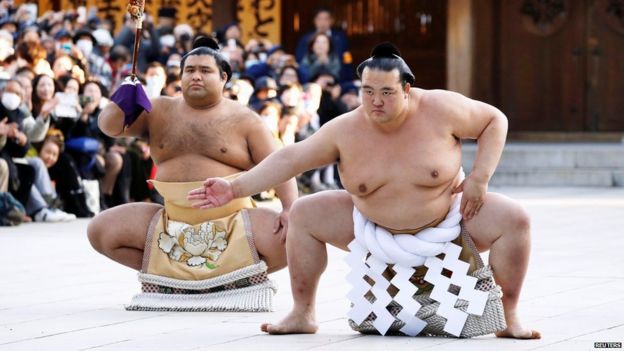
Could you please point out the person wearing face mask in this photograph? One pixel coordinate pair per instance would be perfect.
(84, 42)
(24, 129)
(16, 143)
(155, 79)
(34, 128)
(11, 100)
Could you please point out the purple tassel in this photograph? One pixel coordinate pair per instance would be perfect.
(132, 100)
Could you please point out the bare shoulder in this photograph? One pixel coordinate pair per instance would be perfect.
(346, 121)
(445, 100)
(442, 104)
(242, 119)
(163, 105)
(243, 116)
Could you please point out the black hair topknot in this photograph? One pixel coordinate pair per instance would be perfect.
(203, 45)
(385, 50)
(386, 57)
(203, 41)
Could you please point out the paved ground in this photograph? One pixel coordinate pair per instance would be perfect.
(56, 293)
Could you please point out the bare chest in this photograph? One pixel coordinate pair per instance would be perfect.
(209, 135)
(422, 159)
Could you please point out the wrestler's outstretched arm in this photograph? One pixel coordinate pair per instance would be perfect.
(472, 119)
(112, 119)
(318, 150)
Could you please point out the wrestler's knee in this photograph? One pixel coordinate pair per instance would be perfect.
(520, 220)
(300, 210)
(95, 233)
(114, 160)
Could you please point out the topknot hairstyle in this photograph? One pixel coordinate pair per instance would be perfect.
(386, 57)
(203, 45)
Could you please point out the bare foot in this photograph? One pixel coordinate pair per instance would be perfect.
(518, 332)
(293, 323)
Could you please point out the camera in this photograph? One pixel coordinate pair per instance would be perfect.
(84, 100)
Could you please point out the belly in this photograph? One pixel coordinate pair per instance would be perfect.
(408, 207)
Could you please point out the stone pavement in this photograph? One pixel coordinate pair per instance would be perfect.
(56, 293)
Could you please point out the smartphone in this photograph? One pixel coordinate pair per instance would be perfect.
(84, 100)
(66, 107)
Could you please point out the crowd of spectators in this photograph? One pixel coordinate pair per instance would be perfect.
(58, 69)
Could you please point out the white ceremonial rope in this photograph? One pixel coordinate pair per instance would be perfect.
(409, 250)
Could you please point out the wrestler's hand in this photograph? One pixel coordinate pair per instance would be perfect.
(215, 192)
(281, 225)
(473, 197)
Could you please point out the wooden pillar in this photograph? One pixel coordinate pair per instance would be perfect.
(460, 46)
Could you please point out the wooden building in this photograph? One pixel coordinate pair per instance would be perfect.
(555, 67)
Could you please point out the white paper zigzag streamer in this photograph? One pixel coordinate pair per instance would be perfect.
(374, 248)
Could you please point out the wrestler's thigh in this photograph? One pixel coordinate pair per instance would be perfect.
(499, 214)
(327, 215)
(122, 226)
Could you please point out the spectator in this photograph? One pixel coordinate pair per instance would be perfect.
(241, 89)
(288, 75)
(6, 44)
(323, 21)
(174, 86)
(89, 146)
(270, 113)
(50, 152)
(25, 77)
(62, 65)
(234, 52)
(320, 57)
(150, 42)
(98, 60)
(43, 197)
(329, 105)
(173, 64)
(12, 101)
(350, 96)
(155, 79)
(16, 143)
(166, 21)
(265, 90)
(31, 34)
(184, 38)
(231, 31)
(69, 84)
(119, 58)
(34, 56)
